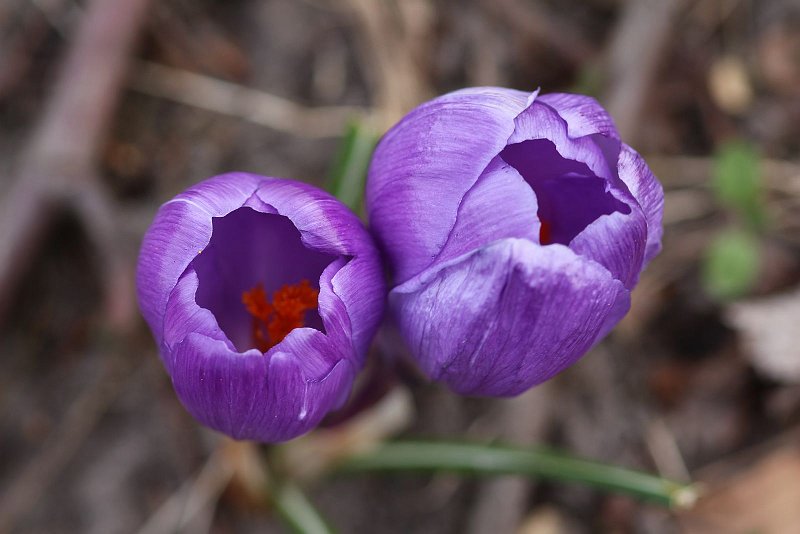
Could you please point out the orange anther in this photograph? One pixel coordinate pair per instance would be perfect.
(256, 303)
(273, 321)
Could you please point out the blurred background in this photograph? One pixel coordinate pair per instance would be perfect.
(109, 108)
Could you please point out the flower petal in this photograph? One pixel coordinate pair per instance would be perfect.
(619, 309)
(505, 317)
(425, 164)
(540, 121)
(361, 288)
(250, 396)
(325, 224)
(501, 204)
(180, 231)
(617, 242)
(647, 191)
(569, 195)
(183, 316)
(583, 114)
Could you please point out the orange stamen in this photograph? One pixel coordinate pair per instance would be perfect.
(256, 303)
(545, 233)
(273, 321)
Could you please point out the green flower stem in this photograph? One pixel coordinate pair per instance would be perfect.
(352, 162)
(297, 511)
(475, 459)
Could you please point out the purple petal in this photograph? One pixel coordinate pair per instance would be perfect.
(647, 191)
(540, 121)
(505, 317)
(619, 309)
(181, 229)
(425, 164)
(583, 114)
(183, 316)
(364, 308)
(501, 204)
(570, 195)
(580, 209)
(250, 396)
(617, 242)
(324, 223)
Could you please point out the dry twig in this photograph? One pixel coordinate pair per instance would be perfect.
(194, 496)
(234, 100)
(634, 55)
(58, 169)
(394, 36)
(56, 172)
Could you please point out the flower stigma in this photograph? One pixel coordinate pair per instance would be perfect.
(545, 233)
(272, 321)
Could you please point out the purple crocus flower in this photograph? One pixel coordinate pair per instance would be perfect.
(263, 295)
(515, 226)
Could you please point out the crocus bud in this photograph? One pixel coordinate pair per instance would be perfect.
(515, 226)
(263, 295)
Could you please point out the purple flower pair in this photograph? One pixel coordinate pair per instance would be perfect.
(514, 226)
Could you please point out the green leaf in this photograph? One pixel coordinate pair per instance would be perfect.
(297, 511)
(349, 172)
(477, 459)
(731, 264)
(737, 180)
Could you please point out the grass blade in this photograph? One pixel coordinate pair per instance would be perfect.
(476, 459)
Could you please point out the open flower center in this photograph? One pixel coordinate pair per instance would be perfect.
(272, 321)
(570, 196)
(252, 256)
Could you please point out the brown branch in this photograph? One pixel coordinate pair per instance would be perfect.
(634, 54)
(198, 495)
(242, 102)
(58, 169)
(391, 37)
